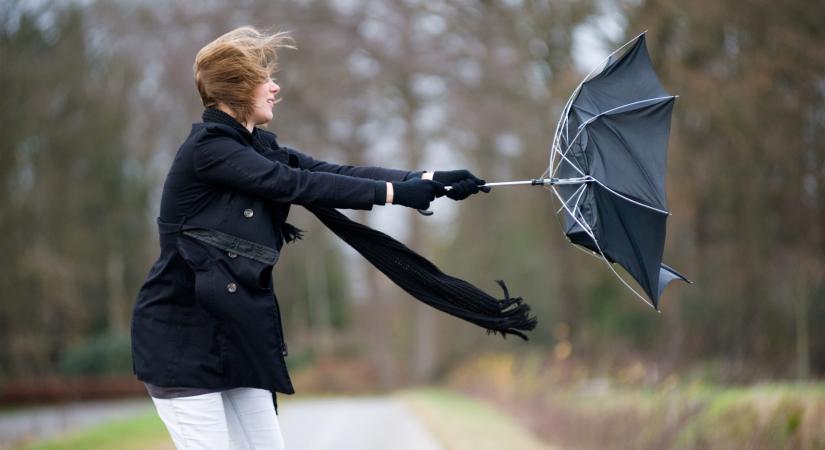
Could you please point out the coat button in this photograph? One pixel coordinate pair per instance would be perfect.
(232, 255)
(231, 287)
(248, 213)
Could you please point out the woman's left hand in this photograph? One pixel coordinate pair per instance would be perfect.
(462, 183)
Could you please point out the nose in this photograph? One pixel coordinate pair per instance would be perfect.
(274, 88)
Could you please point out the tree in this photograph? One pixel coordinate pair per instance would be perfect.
(748, 148)
(74, 197)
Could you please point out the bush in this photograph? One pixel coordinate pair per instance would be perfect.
(101, 355)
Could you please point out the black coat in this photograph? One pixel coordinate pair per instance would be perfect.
(206, 315)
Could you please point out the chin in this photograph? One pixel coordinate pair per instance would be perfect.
(263, 120)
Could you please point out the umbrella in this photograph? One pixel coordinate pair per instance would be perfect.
(607, 167)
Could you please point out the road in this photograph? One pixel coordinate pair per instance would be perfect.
(365, 423)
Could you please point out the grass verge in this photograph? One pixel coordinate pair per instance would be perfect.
(461, 422)
(564, 405)
(145, 432)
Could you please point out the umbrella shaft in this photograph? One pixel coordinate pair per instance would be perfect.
(542, 182)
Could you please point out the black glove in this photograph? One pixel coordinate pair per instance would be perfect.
(449, 177)
(462, 189)
(462, 183)
(416, 193)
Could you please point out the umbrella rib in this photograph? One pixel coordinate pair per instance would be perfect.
(564, 157)
(581, 187)
(562, 122)
(563, 119)
(623, 280)
(641, 168)
(556, 148)
(576, 205)
(591, 120)
(636, 252)
(603, 113)
(587, 229)
(584, 226)
(630, 199)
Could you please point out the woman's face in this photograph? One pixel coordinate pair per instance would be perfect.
(263, 100)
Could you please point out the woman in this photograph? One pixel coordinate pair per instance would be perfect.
(206, 330)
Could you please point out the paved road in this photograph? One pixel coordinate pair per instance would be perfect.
(364, 423)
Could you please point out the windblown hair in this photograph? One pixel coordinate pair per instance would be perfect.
(228, 69)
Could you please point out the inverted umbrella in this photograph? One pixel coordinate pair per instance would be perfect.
(607, 167)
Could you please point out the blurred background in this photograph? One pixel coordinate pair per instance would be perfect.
(96, 97)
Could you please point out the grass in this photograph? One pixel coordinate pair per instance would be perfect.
(571, 405)
(461, 422)
(145, 432)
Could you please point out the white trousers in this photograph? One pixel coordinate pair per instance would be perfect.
(241, 418)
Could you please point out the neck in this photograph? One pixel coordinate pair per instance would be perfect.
(227, 110)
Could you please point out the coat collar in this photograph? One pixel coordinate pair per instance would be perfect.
(218, 116)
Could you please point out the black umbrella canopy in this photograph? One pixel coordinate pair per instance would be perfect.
(613, 141)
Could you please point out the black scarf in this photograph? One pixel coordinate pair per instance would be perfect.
(409, 270)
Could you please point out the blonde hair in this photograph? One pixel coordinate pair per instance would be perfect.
(228, 69)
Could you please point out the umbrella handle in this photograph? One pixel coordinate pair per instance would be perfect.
(427, 212)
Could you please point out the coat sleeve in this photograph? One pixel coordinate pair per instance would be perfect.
(222, 160)
(375, 173)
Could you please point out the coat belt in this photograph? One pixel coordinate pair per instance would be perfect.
(221, 240)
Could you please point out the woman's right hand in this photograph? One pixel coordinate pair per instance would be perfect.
(416, 193)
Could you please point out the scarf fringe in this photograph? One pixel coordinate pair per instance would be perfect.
(291, 233)
(515, 316)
